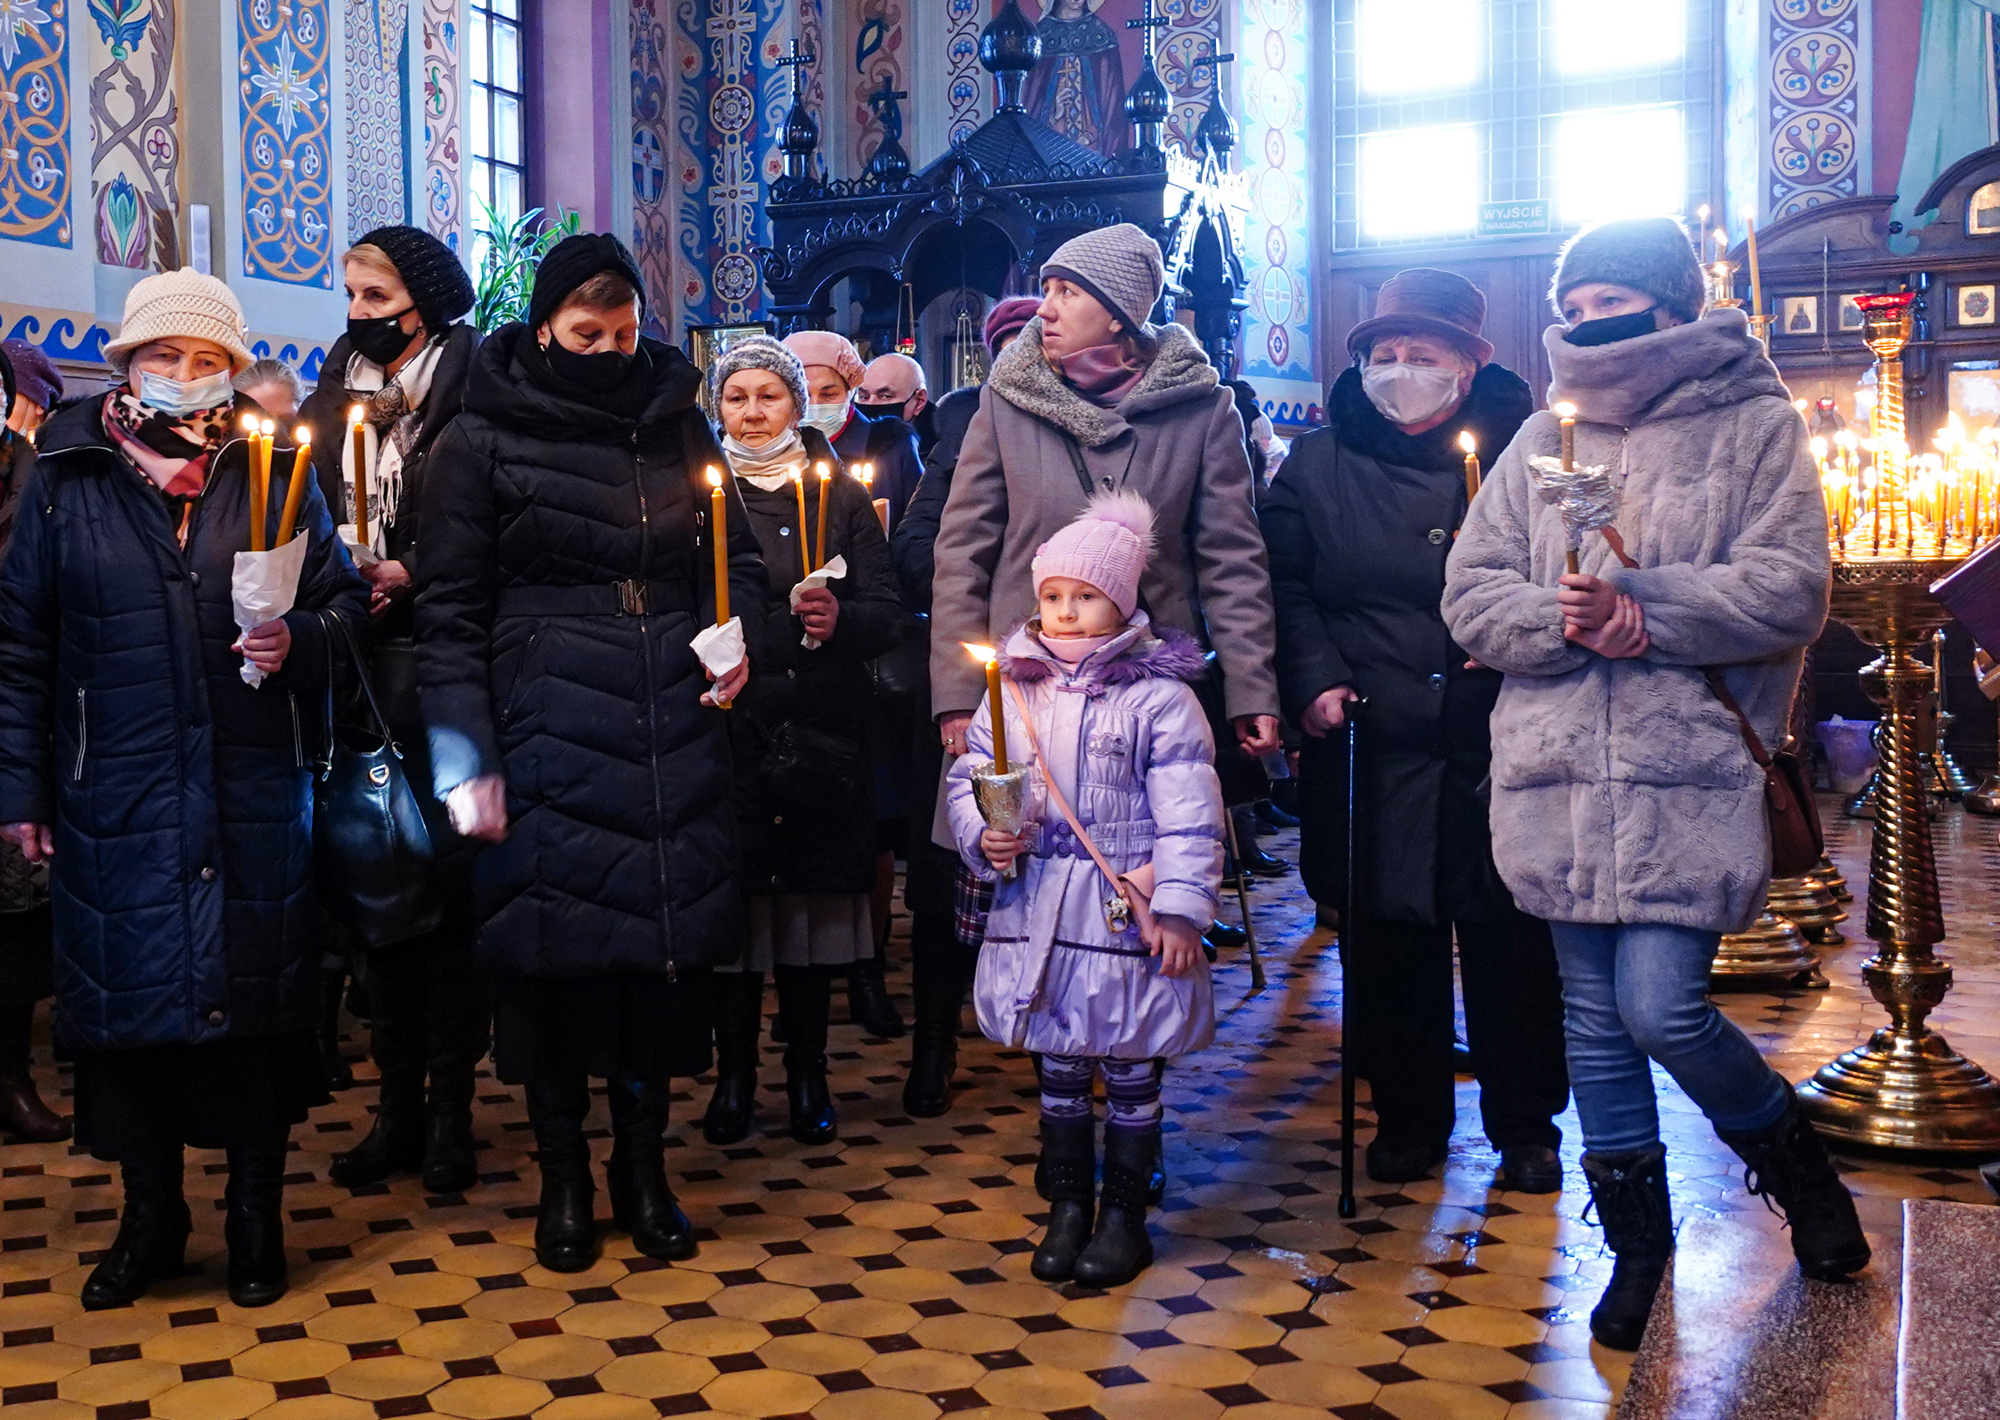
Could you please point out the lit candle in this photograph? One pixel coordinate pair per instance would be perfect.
(1465, 441)
(295, 490)
(1756, 278)
(1565, 412)
(866, 473)
(1701, 225)
(805, 551)
(358, 429)
(260, 482)
(995, 710)
(825, 488)
(718, 533)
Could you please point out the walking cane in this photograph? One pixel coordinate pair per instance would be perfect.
(1243, 897)
(1347, 923)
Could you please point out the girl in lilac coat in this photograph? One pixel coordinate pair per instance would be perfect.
(1118, 731)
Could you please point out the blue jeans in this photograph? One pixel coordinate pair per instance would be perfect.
(1638, 990)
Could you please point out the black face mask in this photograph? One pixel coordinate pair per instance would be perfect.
(1611, 329)
(881, 411)
(380, 338)
(603, 371)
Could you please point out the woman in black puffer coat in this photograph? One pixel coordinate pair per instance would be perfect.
(566, 573)
(404, 362)
(172, 800)
(806, 794)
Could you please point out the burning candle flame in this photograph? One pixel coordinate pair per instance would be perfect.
(1466, 441)
(302, 435)
(981, 653)
(1564, 410)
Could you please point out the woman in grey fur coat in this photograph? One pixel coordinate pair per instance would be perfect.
(1627, 810)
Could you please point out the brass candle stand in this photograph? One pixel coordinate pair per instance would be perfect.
(1770, 947)
(1906, 1088)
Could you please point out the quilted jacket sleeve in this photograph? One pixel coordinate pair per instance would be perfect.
(1494, 608)
(29, 617)
(1184, 797)
(457, 592)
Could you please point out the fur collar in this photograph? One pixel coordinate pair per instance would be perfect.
(1136, 655)
(1712, 363)
(1496, 406)
(1024, 378)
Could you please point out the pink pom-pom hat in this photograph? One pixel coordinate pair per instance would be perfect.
(1107, 546)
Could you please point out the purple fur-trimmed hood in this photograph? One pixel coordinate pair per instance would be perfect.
(1136, 654)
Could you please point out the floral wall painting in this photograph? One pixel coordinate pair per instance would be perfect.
(441, 202)
(1973, 305)
(1798, 315)
(375, 45)
(1813, 104)
(283, 97)
(135, 133)
(35, 159)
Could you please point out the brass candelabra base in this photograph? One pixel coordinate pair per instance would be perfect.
(1906, 1088)
(1835, 880)
(1810, 906)
(1986, 798)
(1769, 947)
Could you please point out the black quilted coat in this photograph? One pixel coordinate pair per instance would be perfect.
(181, 798)
(806, 793)
(622, 852)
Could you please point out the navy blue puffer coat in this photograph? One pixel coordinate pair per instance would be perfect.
(621, 855)
(181, 798)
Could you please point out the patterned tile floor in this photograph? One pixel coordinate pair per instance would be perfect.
(885, 1277)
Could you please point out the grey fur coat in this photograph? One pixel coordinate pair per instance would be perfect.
(1622, 790)
(1175, 439)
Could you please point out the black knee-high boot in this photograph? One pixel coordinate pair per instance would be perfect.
(868, 1002)
(395, 1141)
(565, 1231)
(153, 1229)
(254, 1222)
(739, 1018)
(939, 975)
(642, 1203)
(804, 993)
(458, 1034)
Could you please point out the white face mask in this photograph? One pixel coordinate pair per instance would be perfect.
(829, 419)
(1410, 394)
(185, 396)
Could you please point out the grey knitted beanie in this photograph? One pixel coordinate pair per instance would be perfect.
(1121, 266)
(761, 352)
(1650, 254)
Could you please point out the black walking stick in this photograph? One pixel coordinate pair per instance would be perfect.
(1348, 917)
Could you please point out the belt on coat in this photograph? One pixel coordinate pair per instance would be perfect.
(1113, 840)
(633, 597)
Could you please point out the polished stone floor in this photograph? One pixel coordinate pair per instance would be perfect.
(885, 1277)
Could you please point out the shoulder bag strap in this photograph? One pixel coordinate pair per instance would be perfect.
(1055, 790)
(1076, 462)
(1713, 675)
(338, 623)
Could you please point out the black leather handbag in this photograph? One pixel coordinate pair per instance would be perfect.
(808, 771)
(372, 854)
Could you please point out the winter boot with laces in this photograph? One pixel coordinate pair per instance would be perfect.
(1785, 1163)
(1630, 1194)
(1120, 1248)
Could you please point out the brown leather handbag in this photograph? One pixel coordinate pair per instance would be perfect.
(1797, 842)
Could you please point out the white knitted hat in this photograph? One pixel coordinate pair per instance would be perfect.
(184, 303)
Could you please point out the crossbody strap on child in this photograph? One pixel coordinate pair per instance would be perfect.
(1134, 889)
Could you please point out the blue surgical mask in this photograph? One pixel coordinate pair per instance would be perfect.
(181, 397)
(829, 419)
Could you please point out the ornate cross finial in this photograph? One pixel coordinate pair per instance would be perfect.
(1213, 63)
(1146, 24)
(795, 59)
(885, 96)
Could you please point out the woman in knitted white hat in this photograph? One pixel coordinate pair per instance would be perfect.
(172, 800)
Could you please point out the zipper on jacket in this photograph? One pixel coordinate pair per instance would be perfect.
(514, 686)
(652, 710)
(298, 735)
(82, 733)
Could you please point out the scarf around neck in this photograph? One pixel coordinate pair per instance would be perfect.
(770, 466)
(1099, 374)
(393, 407)
(172, 451)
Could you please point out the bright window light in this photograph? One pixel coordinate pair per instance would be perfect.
(1620, 162)
(1611, 36)
(1418, 182)
(1418, 46)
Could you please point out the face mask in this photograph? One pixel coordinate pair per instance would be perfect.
(178, 397)
(601, 371)
(892, 410)
(1614, 328)
(1409, 394)
(379, 338)
(829, 419)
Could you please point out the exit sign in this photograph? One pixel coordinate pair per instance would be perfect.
(1509, 219)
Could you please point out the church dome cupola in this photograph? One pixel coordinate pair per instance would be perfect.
(1008, 49)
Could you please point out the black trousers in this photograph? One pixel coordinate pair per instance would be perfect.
(1399, 1011)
